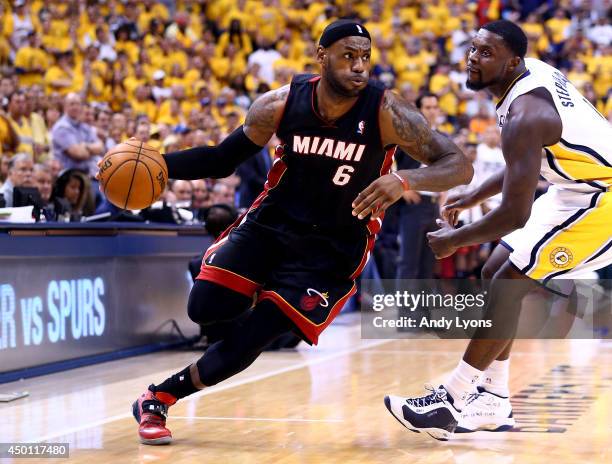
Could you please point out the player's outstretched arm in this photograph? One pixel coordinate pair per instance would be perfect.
(456, 203)
(531, 124)
(247, 140)
(403, 125)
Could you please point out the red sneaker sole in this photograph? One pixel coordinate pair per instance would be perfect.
(156, 441)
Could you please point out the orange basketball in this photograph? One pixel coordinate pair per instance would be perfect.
(133, 175)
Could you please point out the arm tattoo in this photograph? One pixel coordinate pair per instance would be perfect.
(262, 114)
(405, 126)
(412, 130)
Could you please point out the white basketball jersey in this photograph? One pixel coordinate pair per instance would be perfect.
(582, 160)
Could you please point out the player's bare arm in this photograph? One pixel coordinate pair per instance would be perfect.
(247, 140)
(265, 114)
(403, 125)
(532, 123)
(458, 202)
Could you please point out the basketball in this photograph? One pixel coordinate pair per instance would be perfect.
(133, 175)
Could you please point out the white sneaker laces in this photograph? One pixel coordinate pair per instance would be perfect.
(437, 395)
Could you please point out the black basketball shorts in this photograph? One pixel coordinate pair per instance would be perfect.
(308, 275)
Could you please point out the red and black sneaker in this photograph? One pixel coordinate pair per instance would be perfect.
(150, 411)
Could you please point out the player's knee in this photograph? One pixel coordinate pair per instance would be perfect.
(210, 303)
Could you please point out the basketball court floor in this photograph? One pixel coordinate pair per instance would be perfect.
(323, 405)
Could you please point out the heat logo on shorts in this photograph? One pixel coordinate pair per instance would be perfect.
(313, 298)
(561, 257)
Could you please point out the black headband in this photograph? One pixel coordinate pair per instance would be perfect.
(341, 29)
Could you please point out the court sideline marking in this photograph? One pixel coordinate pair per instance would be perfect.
(216, 389)
(258, 419)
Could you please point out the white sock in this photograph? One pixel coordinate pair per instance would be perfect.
(462, 381)
(495, 378)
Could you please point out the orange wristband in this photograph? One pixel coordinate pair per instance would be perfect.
(402, 180)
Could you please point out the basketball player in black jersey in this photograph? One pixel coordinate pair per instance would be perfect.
(297, 251)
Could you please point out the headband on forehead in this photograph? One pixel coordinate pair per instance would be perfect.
(341, 29)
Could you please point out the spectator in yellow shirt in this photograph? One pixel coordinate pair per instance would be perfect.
(268, 21)
(173, 116)
(51, 41)
(237, 36)
(124, 44)
(60, 77)
(558, 26)
(150, 9)
(181, 31)
(9, 140)
(285, 61)
(134, 80)
(143, 104)
(40, 132)
(31, 61)
(578, 75)
(412, 66)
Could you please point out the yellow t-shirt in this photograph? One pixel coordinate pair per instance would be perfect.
(382, 29)
(28, 58)
(219, 9)
(51, 42)
(438, 82)
(408, 14)
(165, 112)
(60, 28)
(268, 22)
(449, 103)
(24, 131)
(559, 28)
(607, 111)
(439, 12)
(130, 49)
(242, 44)
(130, 83)
(600, 67)
(234, 13)
(56, 73)
(294, 65)
(146, 107)
(157, 11)
(421, 26)
(411, 68)
(579, 79)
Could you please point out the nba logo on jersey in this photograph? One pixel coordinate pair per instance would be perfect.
(361, 127)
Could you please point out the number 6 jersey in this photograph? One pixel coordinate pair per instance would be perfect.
(323, 166)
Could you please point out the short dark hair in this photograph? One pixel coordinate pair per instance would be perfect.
(514, 37)
(419, 100)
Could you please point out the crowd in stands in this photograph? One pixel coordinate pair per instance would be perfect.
(79, 76)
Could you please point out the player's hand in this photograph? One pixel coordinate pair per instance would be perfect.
(377, 197)
(441, 240)
(411, 197)
(456, 203)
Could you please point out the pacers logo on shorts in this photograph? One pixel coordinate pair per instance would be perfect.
(312, 299)
(561, 257)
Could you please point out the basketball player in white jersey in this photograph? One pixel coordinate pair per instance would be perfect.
(547, 128)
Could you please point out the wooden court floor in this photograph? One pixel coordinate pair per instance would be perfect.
(323, 405)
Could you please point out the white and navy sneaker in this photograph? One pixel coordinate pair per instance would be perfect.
(433, 414)
(486, 411)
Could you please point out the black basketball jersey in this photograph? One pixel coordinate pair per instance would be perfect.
(323, 166)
